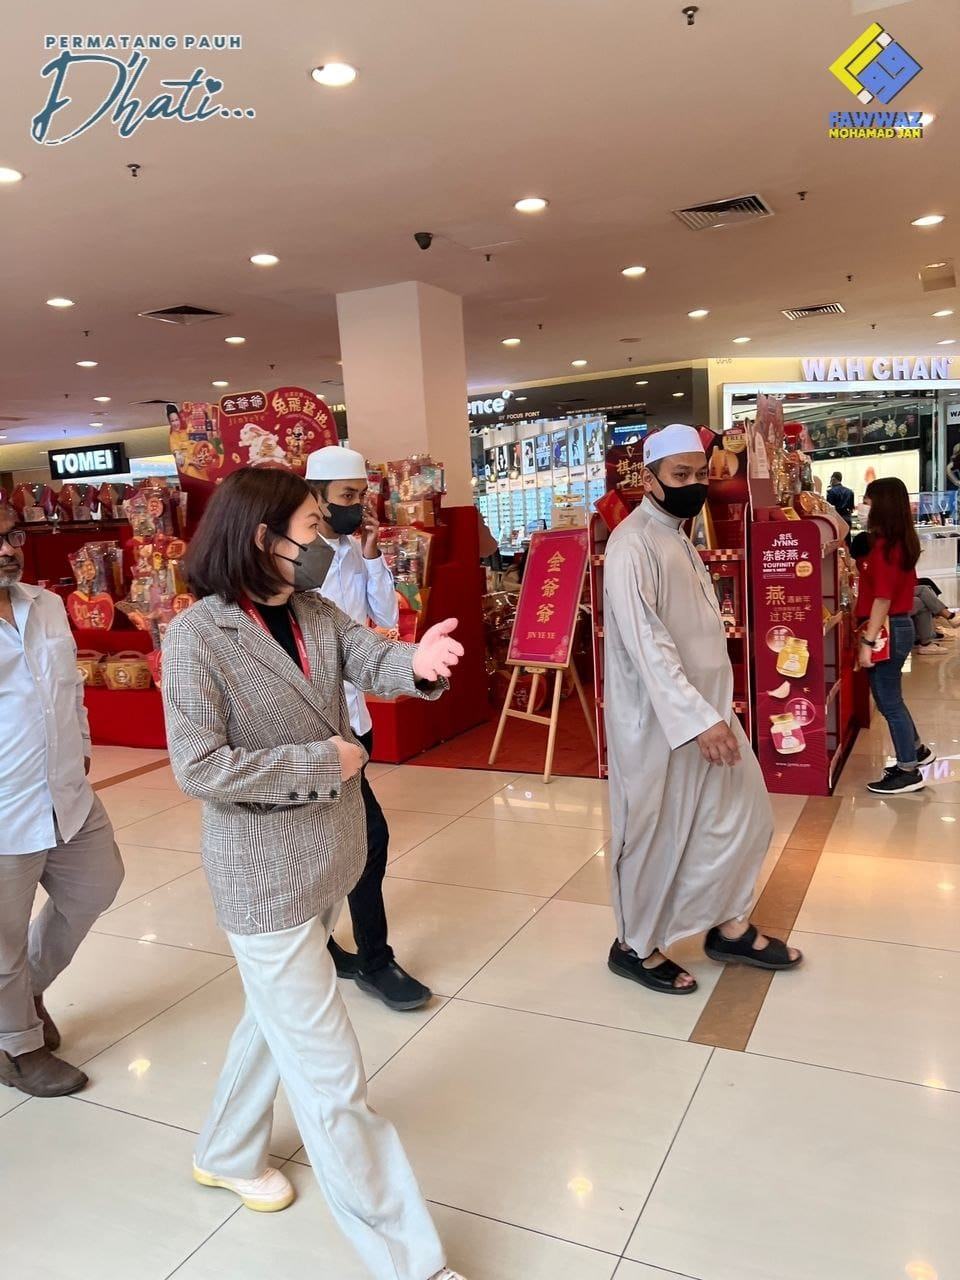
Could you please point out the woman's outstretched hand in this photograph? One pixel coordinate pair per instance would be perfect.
(438, 653)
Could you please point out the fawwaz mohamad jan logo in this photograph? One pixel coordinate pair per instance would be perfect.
(106, 77)
(875, 68)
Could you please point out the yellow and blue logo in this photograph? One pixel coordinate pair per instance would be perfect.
(875, 68)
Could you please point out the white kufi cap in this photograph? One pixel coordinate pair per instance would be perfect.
(335, 463)
(671, 440)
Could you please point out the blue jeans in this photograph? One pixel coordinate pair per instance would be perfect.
(886, 685)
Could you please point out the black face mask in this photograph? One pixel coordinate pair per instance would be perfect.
(344, 521)
(311, 566)
(682, 501)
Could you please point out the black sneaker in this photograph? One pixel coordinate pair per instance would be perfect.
(348, 964)
(925, 755)
(897, 782)
(395, 987)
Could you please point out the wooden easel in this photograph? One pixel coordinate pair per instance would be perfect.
(553, 719)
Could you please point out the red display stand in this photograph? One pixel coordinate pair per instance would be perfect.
(409, 726)
(128, 717)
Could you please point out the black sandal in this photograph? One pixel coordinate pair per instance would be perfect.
(662, 977)
(775, 955)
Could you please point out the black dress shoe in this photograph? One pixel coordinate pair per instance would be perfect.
(395, 987)
(348, 964)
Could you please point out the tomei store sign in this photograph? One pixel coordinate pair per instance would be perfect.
(881, 369)
(84, 464)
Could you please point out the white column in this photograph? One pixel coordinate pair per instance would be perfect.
(405, 377)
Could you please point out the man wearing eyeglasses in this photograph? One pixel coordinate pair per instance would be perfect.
(54, 831)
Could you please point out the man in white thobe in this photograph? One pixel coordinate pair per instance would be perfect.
(691, 818)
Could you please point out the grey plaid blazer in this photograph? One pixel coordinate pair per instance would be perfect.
(283, 835)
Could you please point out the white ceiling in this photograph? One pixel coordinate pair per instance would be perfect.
(615, 110)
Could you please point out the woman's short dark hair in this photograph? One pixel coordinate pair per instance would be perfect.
(891, 518)
(223, 558)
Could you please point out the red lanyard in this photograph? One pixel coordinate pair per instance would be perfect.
(254, 616)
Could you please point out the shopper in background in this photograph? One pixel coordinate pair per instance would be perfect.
(888, 580)
(258, 729)
(928, 610)
(360, 583)
(691, 818)
(54, 831)
(841, 498)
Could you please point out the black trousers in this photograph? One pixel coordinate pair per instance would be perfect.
(367, 910)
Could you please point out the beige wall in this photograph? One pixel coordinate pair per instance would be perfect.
(760, 371)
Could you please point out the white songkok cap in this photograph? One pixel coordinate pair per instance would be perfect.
(335, 463)
(671, 440)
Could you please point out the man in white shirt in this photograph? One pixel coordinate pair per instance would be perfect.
(54, 832)
(360, 583)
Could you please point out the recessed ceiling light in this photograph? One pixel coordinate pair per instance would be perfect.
(938, 315)
(10, 175)
(3, 437)
(334, 75)
(264, 259)
(928, 220)
(698, 314)
(510, 342)
(59, 302)
(235, 342)
(521, 399)
(219, 383)
(741, 339)
(946, 342)
(927, 117)
(531, 204)
(102, 399)
(95, 424)
(678, 395)
(932, 266)
(634, 271)
(578, 364)
(86, 364)
(645, 382)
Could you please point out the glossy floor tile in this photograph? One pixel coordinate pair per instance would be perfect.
(637, 1271)
(179, 828)
(558, 965)
(564, 802)
(591, 883)
(304, 1242)
(116, 984)
(109, 762)
(445, 933)
(885, 899)
(129, 802)
(550, 1125)
(428, 790)
(900, 826)
(148, 869)
(871, 1007)
(506, 856)
(408, 829)
(125, 1202)
(790, 1172)
(178, 914)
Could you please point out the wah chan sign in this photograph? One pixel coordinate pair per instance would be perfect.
(880, 369)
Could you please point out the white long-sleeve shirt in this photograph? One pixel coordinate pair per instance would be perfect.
(45, 733)
(364, 590)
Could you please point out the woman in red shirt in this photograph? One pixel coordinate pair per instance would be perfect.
(888, 580)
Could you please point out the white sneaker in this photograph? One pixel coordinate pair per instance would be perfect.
(269, 1193)
(931, 650)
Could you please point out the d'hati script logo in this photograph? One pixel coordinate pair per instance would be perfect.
(106, 77)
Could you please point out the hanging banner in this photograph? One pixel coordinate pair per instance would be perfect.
(549, 599)
(275, 429)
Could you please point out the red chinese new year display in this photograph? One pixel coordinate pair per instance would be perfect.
(549, 599)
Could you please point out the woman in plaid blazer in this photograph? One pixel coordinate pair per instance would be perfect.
(257, 728)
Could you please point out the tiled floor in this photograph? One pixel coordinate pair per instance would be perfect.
(563, 1123)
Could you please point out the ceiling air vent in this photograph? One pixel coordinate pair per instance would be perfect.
(724, 213)
(824, 309)
(181, 315)
(152, 402)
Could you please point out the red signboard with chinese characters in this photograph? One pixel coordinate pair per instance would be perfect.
(275, 429)
(549, 599)
(793, 691)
